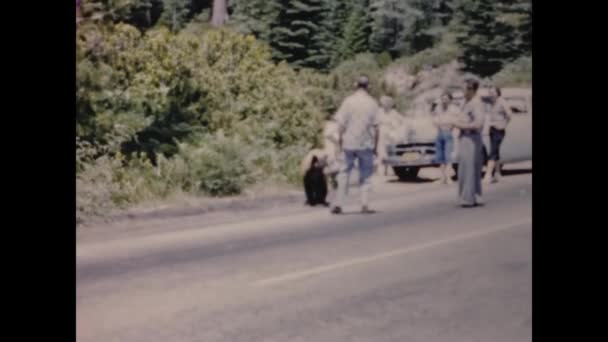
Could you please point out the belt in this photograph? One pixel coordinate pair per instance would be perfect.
(469, 131)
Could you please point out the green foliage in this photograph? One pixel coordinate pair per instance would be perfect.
(320, 34)
(175, 13)
(354, 38)
(168, 87)
(142, 14)
(296, 33)
(515, 74)
(255, 17)
(333, 30)
(407, 26)
(217, 165)
(347, 73)
(383, 59)
(492, 33)
(444, 52)
(392, 25)
(168, 95)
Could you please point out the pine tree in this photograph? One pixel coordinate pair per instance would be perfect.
(175, 14)
(521, 14)
(142, 14)
(491, 34)
(145, 13)
(331, 32)
(407, 26)
(432, 22)
(391, 22)
(255, 17)
(295, 33)
(357, 29)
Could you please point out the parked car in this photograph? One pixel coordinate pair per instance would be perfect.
(418, 148)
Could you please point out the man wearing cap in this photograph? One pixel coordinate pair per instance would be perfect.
(358, 140)
(470, 122)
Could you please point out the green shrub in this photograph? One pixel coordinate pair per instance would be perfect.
(444, 52)
(218, 166)
(384, 59)
(347, 72)
(515, 74)
(166, 87)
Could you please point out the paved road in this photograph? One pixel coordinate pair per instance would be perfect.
(421, 269)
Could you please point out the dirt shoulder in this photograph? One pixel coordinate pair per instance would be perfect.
(195, 213)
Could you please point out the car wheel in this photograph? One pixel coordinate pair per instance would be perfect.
(406, 173)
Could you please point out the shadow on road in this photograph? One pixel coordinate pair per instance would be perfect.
(360, 213)
(416, 180)
(514, 172)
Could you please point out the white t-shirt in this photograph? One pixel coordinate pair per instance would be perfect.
(357, 119)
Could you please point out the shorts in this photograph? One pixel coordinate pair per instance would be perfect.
(444, 145)
(496, 138)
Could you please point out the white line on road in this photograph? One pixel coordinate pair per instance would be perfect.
(356, 261)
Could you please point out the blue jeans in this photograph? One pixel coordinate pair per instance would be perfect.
(496, 137)
(444, 145)
(365, 159)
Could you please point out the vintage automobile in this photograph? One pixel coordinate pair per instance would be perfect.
(418, 148)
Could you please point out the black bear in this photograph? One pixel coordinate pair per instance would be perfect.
(315, 183)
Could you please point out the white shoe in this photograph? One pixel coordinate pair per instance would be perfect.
(479, 199)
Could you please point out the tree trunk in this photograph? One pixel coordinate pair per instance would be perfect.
(220, 13)
(174, 19)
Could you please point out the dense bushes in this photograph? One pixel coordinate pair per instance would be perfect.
(196, 113)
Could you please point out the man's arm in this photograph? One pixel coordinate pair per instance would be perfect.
(477, 123)
(341, 119)
(376, 138)
(376, 128)
(478, 119)
(329, 133)
(507, 109)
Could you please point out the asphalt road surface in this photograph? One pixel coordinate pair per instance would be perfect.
(421, 269)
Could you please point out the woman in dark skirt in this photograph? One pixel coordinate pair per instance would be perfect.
(500, 116)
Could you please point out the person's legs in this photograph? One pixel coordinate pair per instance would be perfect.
(332, 186)
(467, 169)
(491, 157)
(498, 167)
(449, 149)
(495, 142)
(478, 167)
(382, 154)
(440, 155)
(366, 169)
(343, 176)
